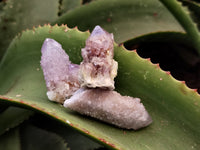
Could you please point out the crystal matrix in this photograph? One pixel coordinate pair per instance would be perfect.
(98, 68)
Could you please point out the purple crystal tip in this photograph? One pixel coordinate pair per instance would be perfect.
(98, 30)
(54, 61)
(100, 39)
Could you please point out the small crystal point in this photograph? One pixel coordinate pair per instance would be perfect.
(110, 106)
(98, 68)
(98, 30)
(60, 75)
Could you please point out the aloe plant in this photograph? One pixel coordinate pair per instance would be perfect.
(28, 120)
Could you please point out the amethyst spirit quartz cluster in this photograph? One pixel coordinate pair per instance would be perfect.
(88, 88)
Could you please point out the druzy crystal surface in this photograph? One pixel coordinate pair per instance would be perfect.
(98, 68)
(110, 106)
(88, 88)
(60, 74)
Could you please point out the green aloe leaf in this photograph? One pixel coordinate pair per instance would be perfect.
(10, 140)
(66, 5)
(2, 4)
(74, 139)
(126, 19)
(194, 7)
(173, 106)
(172, 37)
(182, 15)
(33, 138)
(22, 14)
(12, 117)
(29, 137)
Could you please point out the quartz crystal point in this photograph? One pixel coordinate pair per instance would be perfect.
(60, 74)
(98, 68)
(110, 106)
